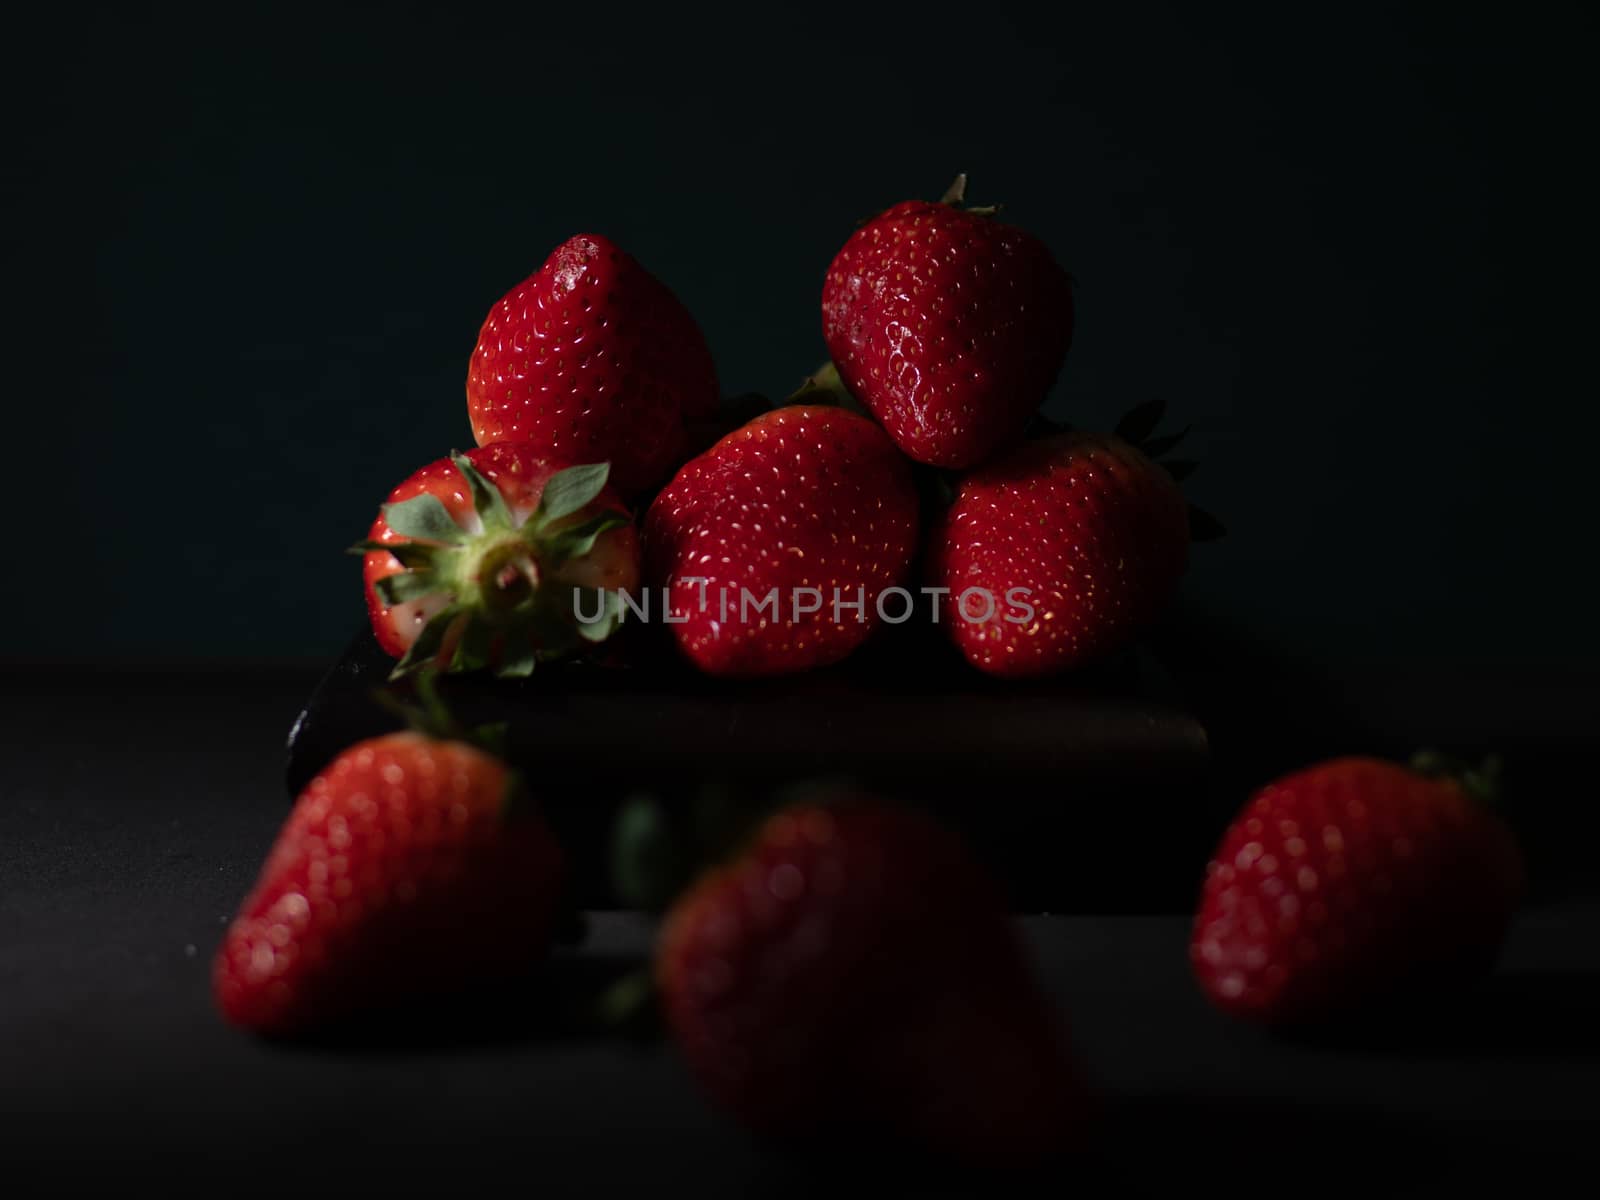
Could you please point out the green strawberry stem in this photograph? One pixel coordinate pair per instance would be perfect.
(656, 859)
(507, 575)
(628, 1004)
(1482, 781)
(824, 386)
(956, 195)
(431, 716)
(656, 854)
(649, 863)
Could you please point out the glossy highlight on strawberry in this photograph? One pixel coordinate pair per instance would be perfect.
(592, 359)
(949, 325)
(803, 505)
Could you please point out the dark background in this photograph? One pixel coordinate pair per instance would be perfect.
(251, 252)
(248, 249)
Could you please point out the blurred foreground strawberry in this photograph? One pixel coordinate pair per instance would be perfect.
(852, 969)
(412, 865)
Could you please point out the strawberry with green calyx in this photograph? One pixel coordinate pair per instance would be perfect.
(848, 967)
(1353, 884)
(414, 864)
(949, 325)
(498, 559)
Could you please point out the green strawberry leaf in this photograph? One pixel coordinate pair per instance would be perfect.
(416, 555)
(424, 518)
(429, 641)
(407, 585)
(489, 504)
(518, 658)
(577, 540)
(568, 491)
(1484, 782)
(630, 1007)
(1041, 426)
(648, 865)
(472, 649)
(1180, 468)
(1141, 421)
(825, 386)
(493, 737)
(609, 604)
(1203, 527)
(1157, 446)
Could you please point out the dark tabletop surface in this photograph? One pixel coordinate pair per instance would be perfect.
(134, 811)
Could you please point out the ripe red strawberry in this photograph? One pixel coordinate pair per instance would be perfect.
(854, 969)
(949, 325)
(592, 359)
(409, 865)
(1347, 884)
(1073, 543)
(803, 506)
(497, 558)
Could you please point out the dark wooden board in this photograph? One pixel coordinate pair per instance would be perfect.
(1052, 781)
